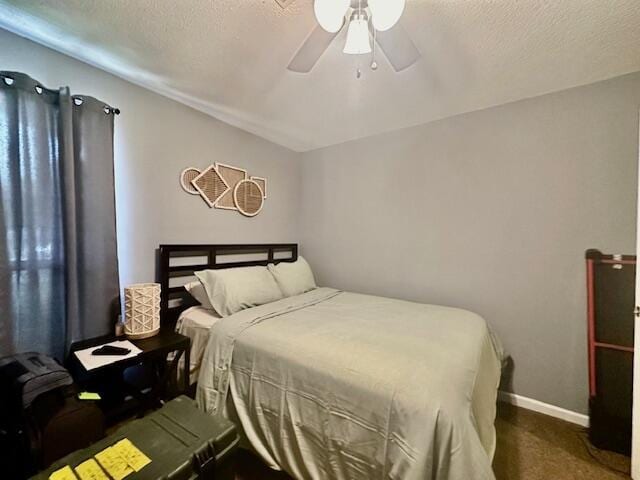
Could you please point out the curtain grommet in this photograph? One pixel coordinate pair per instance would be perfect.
(78, 101)
(38, 89)
(8, 80)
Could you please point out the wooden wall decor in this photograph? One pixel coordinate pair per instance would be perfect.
(211, 185)
(187, 175)
(232, 175)
(263, 185)
(248, 197)
(226, 187)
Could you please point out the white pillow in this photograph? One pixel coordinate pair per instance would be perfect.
(233, 289)
(197, 291)
(293, 278)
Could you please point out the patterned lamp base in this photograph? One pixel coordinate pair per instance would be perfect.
(142, 310)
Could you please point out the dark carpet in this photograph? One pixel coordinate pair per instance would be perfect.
(531, 446)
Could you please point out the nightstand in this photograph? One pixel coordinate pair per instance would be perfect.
(141, 382)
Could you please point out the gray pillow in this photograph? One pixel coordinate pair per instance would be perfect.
(233, 289)
(197, 291)
(293, 278)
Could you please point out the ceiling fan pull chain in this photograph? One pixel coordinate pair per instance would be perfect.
(374, 64)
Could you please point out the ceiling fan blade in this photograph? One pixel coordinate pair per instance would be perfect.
(398, 47)
(311, 50)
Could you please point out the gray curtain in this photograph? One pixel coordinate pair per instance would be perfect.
(58, 257)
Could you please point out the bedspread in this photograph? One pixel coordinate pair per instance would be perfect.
(338, 385)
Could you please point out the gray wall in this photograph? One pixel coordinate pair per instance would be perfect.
(155, 138)
(490, 211)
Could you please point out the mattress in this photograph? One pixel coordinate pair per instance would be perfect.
(195, 323)
(338, 385)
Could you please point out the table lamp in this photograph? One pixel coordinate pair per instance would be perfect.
(142, 310)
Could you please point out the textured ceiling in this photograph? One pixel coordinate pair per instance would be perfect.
(229, 57)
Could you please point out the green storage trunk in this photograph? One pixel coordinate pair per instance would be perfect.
(182, 442)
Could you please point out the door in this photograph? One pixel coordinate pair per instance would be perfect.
(635, 440)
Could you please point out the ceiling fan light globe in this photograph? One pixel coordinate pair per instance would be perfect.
(385, 13)
(330, 13)
(357, 37)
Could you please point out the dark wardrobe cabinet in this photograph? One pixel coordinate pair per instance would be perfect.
(610, 307)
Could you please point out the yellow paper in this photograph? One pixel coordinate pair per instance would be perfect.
(90, 470)
(65, 473)
(113, 463)
(134, 457)
(89, 396)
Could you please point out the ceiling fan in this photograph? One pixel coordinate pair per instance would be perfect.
(366, 20)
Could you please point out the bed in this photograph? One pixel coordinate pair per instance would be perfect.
(333, 384)
(195, 322)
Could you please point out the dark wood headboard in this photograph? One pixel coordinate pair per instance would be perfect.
(176, 264)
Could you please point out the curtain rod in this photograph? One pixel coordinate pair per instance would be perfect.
(78, 99)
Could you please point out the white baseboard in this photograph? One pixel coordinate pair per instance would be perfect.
(541, 407)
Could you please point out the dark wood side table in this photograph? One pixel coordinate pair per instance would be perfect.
(155, 351)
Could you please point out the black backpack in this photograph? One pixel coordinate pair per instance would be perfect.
(40, 417)
(25, 376)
